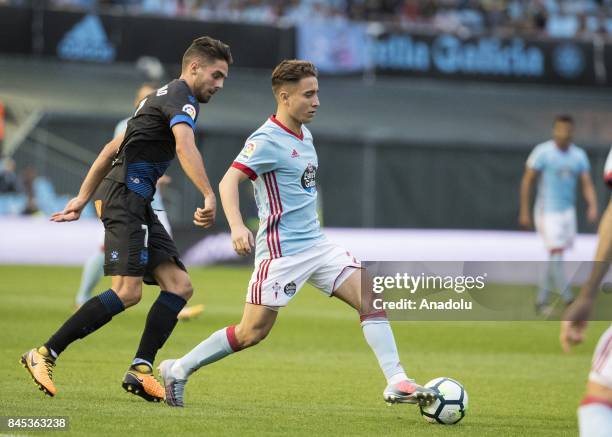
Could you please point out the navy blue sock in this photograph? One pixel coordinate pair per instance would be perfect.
(160, 323)
(92, 315)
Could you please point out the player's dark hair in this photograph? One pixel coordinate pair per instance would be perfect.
(292, 71)
(564, 118)
(209, 49)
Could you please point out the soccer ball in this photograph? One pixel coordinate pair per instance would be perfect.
(451, 403)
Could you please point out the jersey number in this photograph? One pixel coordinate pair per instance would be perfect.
(162, 91)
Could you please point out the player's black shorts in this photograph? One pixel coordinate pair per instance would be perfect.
(135, 242)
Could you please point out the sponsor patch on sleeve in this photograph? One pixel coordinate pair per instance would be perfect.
(190, 110)
(248, 150)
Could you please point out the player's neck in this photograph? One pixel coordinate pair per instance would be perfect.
(288, 122)
(189, 84)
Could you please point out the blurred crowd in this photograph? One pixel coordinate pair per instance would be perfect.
(27, 193)
(554, 18)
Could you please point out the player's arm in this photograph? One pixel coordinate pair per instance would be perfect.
(242, 238)
(193, 165)
(527, 183)
(100, 167)
(588, 192)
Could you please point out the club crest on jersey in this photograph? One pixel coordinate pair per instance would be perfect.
(190, 110)
(309, 177)
(290, 289)
(248, 150)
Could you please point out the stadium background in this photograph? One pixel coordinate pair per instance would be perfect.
(429, 110)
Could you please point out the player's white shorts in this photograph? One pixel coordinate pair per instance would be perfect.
(275, 281)
(601, 369)
(558, 229)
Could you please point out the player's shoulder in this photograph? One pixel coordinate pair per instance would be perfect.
(264, 136)
(545, 146)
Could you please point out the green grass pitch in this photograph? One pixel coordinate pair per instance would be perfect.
(314, 375)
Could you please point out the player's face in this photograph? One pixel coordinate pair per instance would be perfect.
(563, 133)
(303, 100)
(209, 78)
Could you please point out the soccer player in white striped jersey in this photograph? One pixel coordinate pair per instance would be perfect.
(290, 249)
(595, 412)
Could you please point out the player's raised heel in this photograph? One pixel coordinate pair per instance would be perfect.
(40, 368)
(144, 385)
(408, 392)
(175, 388)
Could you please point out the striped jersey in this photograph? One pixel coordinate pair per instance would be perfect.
(282, 166)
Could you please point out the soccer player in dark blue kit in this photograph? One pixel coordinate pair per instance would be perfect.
(137, 247)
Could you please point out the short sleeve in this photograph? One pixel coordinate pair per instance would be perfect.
(255, 158)
(608, 170)
(180, 106)
(536, 159)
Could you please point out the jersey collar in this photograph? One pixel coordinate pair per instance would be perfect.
(273, 119)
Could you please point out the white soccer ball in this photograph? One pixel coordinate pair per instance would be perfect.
(450, 405)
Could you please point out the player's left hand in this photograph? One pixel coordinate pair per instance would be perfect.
(71, 212)
(592, 215)
(205, 217)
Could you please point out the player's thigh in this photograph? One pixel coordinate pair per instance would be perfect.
(125, 232)
(350, 290)
(163, 254)
(335, 267)
(604, 245)
(275, 282)
(174, 279)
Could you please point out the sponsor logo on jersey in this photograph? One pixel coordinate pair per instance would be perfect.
(295, 154)
(248, 150)
(190, 110)
(114, 256)
(290, 289)
(86, 41)
(309, 177)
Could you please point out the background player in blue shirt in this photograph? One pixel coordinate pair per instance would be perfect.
(281, 160)
(559, 164)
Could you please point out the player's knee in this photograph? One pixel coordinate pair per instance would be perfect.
(130, 296)
(250, 337)
(184, 288)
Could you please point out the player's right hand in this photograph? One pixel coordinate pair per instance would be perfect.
(525, 220)
(205, 217)
(242, 240)
(71, 212)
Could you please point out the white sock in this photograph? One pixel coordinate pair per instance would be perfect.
(558, 274)
(379, 336)
(93, 270)
(214, 348)
(595, 420)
